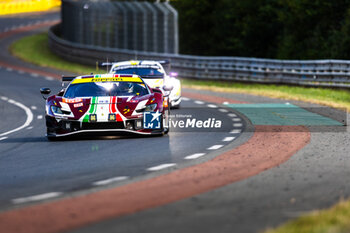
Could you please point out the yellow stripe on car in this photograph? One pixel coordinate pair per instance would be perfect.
(114, 79)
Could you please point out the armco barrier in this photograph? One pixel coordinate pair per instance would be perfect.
(24, 6)
(329, 73)
(133, 25)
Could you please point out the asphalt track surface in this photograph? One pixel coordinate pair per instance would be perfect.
(314, 177)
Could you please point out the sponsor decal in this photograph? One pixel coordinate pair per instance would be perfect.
(135, 79)
(103, 101)
(71, 101)
(112, 117)
(78, 105)
(152, 120)
(93, 118)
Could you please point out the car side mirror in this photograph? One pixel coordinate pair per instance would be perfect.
(45, 91)
(157, 90)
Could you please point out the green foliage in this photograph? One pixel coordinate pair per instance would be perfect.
(285, 29)
(35, 49)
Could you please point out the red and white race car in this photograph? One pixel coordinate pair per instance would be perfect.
(106, 104)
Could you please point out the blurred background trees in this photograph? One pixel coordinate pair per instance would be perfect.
(284, 29)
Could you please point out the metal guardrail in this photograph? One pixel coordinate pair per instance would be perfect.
(328, 73)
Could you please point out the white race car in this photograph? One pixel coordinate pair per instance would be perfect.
(153, 73)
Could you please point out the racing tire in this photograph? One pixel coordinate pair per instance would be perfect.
(52, 138)
(49, 134)
(176, 106)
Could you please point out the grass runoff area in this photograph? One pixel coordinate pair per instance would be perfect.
(34, 49)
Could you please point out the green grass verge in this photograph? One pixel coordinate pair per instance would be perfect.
(333, 220)
(330, 97)
(337, 219)
(35, 49)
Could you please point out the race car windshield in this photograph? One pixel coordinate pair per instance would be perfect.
(143, 72)
(106, 89)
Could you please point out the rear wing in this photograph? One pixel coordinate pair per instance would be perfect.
(103, 64)
(164, 62)
(68, 78)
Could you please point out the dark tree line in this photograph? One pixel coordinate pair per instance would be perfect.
(285, 29)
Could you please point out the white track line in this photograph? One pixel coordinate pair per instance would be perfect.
(39, 197)
(185, 98)
(34, 75)
(49, 78)
(237, 125)
(195, 156)
(232, 115)
(160, 167)
(236, 131)
(223, 110)
(3, 138)
(39, 117)
(215, 147)
(26, 123)
(199, 102)
(212, 106)
(236, 119)
(33, 107)
(228, 139)
(110, 180)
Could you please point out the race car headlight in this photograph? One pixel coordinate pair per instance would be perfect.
(56, 110)
(150, 108)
